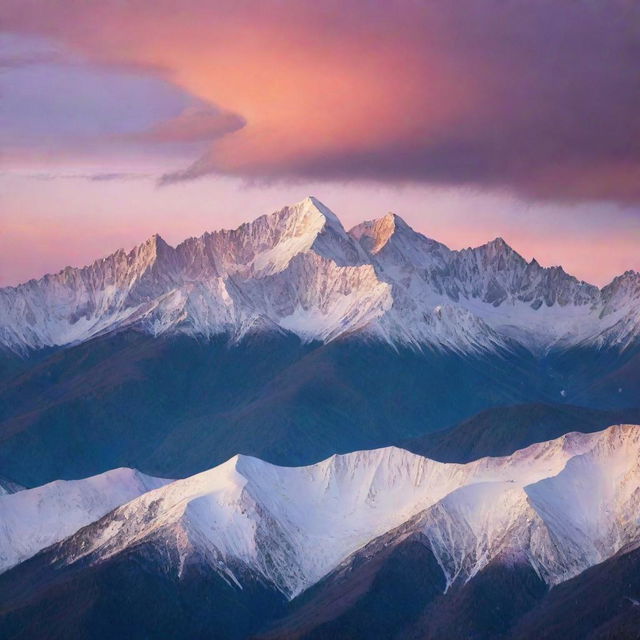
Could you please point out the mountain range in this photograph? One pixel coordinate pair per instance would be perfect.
(300, 547)
(298, 271)
(291, 430)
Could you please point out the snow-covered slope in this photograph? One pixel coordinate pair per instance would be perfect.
(33, 519)
(298, 270)
(583, 512)
(560, 506)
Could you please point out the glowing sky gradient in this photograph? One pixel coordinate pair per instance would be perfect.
(471, 119)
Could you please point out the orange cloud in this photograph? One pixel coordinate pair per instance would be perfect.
(540, 97)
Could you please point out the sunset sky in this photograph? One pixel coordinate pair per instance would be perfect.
(471, 119)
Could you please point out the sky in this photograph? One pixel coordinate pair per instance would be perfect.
(471, 120)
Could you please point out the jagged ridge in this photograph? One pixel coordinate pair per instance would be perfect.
(298, 270)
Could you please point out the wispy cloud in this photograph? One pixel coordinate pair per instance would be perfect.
(28, 59)
(92, 177)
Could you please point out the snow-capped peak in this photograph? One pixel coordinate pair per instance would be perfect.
(268, 244)
(373, 235)
(498, 246)
(312, 203)
(622, 290)
(392, 236)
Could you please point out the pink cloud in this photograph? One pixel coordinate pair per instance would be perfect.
(540, 97)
